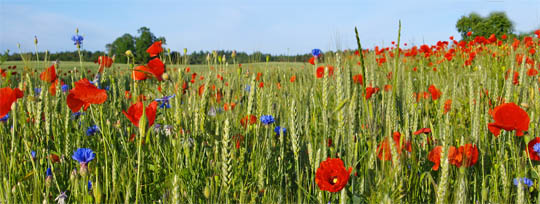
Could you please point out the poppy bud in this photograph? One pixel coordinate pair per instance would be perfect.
(129, 53)
(208, 57)
(233, 55)
(35, 40)
(165, 76)
(185, 51)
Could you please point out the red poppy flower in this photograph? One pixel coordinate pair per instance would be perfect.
(238, 140)
(52, 88)
(435, 157)
(293, 78)
(261, 85)
(469, 33)
(370, 91)
(358, 79)
(135, 112)
(447, 105)
(188, 69)
(532, 72)
(384, 148)
(320, 71)
(104, 61)
(470, 152)
(201, 90)
(509, 117)
(387, 87)
(248, 120)
(7, 97)
(3, 72)
(258, 76)
(157, 68)
(331, 175)
(49, 75)
(530, 148)
(140, 73)
(155, 49)
(435, 93)
(422, 130)
(85, 94)
(454, 156)
(54, 158)
(312, 60)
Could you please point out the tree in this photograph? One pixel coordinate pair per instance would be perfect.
(120, 46)
(495, 23)
(145, 39)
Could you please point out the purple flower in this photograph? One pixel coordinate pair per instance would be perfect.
(65, 88)
(316, 52)
(77, 39)
(83, 155)
(526, 181)
(48, 172)
(5, 118)
(279, 129)
(92, 130)
(165, 101)
(267, 119)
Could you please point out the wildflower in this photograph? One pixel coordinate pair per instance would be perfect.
(85, 94)
(165, 101)
(238, 140)
(509, 117)
(76, 115)
(155, 49)
(48, 174)
(533, 148)
(293, 78)
(5, 118)
(435, 93)
(49, 75)
(312, 60)
(7, 97)
(525, 181)
(267, 119)
(104, 62)
(64, 88)
(77, 39)
(467, 153)
(331, 175)
(89, 185)
(384, 148)
(37, 91)
(61, 199)
(212, 112)
(358, 79)
(435, 157)
(422, 130)
(321, 71)
(370, 91)
(248, 120)
(135, 112)
(248, 88)
(154, 67)
(447, 105)
(279, 129)
(33, 154)
(316, 52)
(83, 156)
(92, 130)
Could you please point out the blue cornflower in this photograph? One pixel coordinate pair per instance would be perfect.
(282, 129)
(536, 148)
(248, 88)
(92, 130)
(83, 155)
(33, 153)
(5, 118)
(48, 172)
(165, 101)
(316, 52)
(76, 115)
(89, 185)
(107, 88)
(65, 88)
(37, 91)
(267, 119)
(524, 180)
(77, 39)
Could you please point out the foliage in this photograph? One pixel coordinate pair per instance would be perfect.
(495, 23)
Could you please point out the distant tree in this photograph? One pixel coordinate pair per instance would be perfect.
(120, 46)
(495, 23)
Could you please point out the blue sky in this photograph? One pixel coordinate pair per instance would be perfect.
(277, 27)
